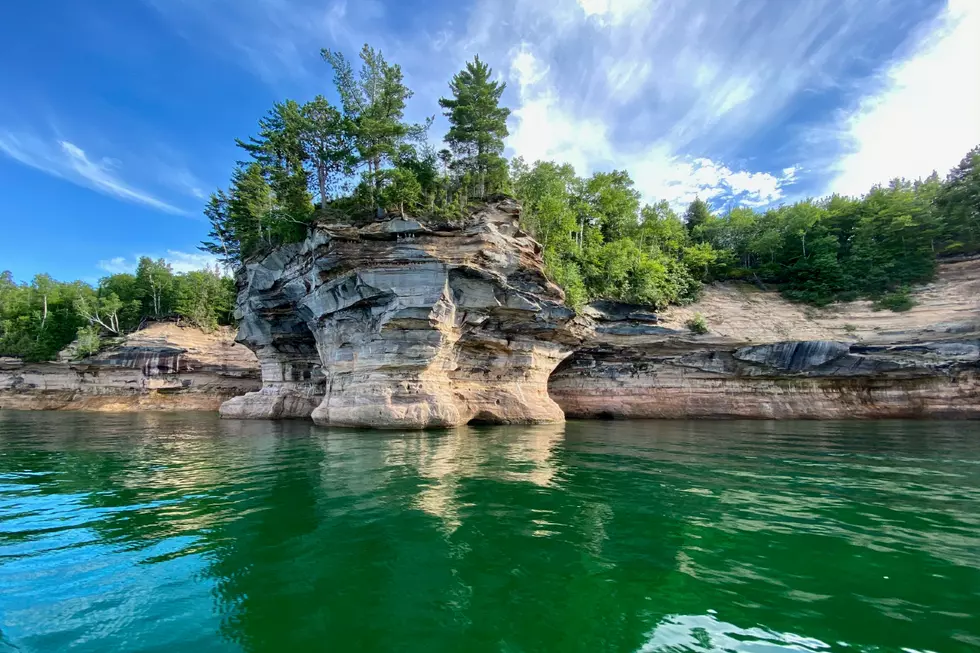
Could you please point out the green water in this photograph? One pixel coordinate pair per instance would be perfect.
(184, 533)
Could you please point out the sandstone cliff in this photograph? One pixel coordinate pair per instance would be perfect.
(405, 323)
(162, 367)
(400, 323)
(768, 358)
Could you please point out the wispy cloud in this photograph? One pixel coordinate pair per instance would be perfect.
(928, 114)
(68, 161)
(179, 261)
(546, 129)
(693, 97)
(277, 40)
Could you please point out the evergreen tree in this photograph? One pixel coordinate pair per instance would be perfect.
(326, 139)
(374, 104)
(279, 150)
(696, 215)
(478, 124)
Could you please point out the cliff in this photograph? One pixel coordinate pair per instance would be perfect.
(405, 323)
(768, 358)
(162, 367)
(400, 323)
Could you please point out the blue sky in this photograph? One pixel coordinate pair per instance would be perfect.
(119, 116)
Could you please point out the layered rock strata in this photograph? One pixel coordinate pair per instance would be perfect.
(401, 323)
(635, 370)
(162, 367)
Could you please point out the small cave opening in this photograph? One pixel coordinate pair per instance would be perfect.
(484, 418)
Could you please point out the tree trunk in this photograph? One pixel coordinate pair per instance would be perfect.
(44, 317)
(322, 179)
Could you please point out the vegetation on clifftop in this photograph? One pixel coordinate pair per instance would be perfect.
(360, 159)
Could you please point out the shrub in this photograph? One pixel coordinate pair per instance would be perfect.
(88, 341)
(697, 324)
(898, 301)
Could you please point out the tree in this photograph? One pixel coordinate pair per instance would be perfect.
(101, 311)
(283, 161)
(696, 215)
(325, 136)
(478, 124)
(204, 297)
(155, 280)
(225, 241)
(374, 104)
(612, 203)
(959, 202)
(401, 187)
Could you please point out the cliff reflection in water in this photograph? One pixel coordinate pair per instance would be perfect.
(138, 532)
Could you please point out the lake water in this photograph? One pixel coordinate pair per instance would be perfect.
(156, 532)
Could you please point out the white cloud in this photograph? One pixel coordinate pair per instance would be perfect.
(546, 129)
(927, 117)
(65, 160)
(611, 11)
(179, 262)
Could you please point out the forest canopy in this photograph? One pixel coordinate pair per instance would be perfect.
(40, 318)
(358, 158)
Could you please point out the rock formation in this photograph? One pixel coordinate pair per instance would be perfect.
(161, 367)
(630, 369)
(400, 323)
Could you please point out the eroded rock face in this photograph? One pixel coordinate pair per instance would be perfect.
(405, 324)
(162, 367)
(645, 373)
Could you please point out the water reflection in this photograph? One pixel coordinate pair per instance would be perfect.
(152, 531)
(446, 460)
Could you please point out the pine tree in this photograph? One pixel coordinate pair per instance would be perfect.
(284, 162)
(696, 215)
(222, 240)
(374, 104)
(327, 142)
(478, 124)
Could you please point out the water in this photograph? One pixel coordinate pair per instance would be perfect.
(161, 532)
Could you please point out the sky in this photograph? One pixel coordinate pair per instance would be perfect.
(118, 117)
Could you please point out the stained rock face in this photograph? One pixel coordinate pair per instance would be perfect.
(162, 367)
(674, 375)
(405, 324)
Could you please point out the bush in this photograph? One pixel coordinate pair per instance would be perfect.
(697, 324)
(89, 341)
(898, 301)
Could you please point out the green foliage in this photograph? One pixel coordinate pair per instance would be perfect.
(697, 324)
(598, 241)
(88, 341)
(898, 301)
(698, 213)
(205, 298)
(958, 200)
(477, 126)
(363, 159)
(39, 319)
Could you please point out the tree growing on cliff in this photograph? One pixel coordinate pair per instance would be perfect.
(283, 160)
(373, 105)
(478, 125)
(326, 140)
